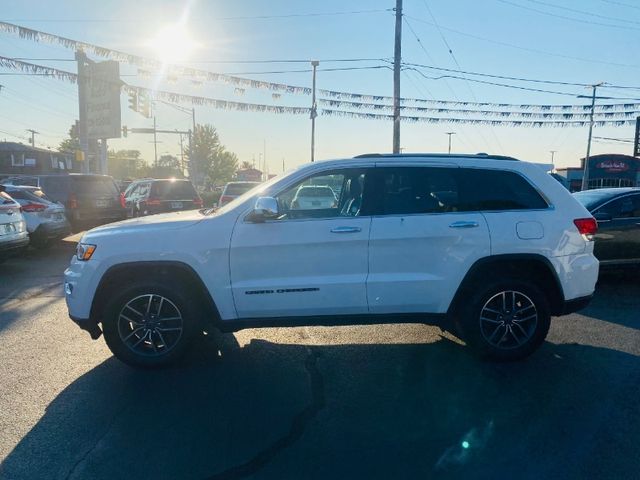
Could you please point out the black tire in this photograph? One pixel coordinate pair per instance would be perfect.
(163, 345)
(516, 329)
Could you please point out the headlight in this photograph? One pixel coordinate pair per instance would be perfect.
(84, 251)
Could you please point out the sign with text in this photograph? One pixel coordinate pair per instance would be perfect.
(103, 100)
(636, 143)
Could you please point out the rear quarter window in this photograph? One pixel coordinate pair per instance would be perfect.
(94, 186)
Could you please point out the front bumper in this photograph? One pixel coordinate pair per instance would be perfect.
(88, 325)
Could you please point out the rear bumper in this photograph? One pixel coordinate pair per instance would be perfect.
(576, 304)
(12, 247)
(51, 231)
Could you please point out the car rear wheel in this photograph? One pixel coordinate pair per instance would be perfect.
(505, 320)
(149, 325)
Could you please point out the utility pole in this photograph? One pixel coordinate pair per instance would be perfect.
(553, 154)
(264, 159)
(450, 133)
(155, 143)
(82, 60)
(397, 57)
(314, 110)
(181, 156)
(33, 133)
(585, 175)
(192, 146)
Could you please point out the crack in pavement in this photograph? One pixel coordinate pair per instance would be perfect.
(97, 442)
(297, 428)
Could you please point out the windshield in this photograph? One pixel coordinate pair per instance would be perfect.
(94, 185)
(174, 190)
(239, 188)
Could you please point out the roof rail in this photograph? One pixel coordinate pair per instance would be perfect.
(436, 155)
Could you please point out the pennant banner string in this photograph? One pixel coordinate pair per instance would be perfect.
(203, 75)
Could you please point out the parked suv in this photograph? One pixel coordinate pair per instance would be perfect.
(150, 196)
(90, 200)
(488, 247)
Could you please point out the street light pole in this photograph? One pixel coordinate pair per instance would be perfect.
(585, 175)
(553, 153)
(397, 58)
(450, 134)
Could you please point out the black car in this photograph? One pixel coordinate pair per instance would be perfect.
(150, 196)
(617, 211)
(90, 200)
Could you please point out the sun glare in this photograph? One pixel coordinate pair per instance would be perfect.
(173, 44)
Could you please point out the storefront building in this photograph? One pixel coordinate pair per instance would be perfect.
(605, 171)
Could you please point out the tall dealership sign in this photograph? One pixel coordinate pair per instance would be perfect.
(99, 109)
(103, 100)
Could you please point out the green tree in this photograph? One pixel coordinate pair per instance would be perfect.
(126, 164)
(168, 166)
(72, 143)
(210, 161)
(246, 165)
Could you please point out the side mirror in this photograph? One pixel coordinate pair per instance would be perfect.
(602, 217)
(266, 208)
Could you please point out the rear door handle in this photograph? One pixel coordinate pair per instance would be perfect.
(346, 230)
(464, 224)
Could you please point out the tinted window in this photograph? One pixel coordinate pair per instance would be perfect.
(590, 198)
(94, 186)
(56, 188)
(174, 190)
(414, 190)
(624, 207)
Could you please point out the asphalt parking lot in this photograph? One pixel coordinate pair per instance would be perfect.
(403, 401)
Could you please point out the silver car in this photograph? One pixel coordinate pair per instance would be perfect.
(46, 220)
(13, 229)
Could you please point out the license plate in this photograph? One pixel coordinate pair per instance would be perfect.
(176, 204)
(315, 203)
(58, 216)
(9, 228)
(102, 203)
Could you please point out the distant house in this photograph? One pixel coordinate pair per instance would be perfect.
(20, 159)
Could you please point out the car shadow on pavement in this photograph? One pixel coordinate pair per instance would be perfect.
(617, 298)
(270, 410)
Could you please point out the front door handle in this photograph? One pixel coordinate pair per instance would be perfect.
(464, 224)
(346, 230)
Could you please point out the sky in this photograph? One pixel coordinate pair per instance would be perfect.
(581, 41)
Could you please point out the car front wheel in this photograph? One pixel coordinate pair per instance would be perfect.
(505, 320)
(149, 325)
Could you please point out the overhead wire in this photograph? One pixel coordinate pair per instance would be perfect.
(583, 12)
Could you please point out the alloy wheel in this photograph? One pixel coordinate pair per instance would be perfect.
(508, 319)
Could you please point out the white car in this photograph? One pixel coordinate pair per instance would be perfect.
(46, 220)
(488, 247)
(314, 197)
(13, 229)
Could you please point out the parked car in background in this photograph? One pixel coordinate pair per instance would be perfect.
(617, 211)
(150, 196)
(90, 200)
(46, 220)
(13, 229)
(311, 197)
(233, 190)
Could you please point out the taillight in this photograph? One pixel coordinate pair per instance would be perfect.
(33, 207)
(153, 202)
(72, 202)
(198, 202)
(586, 226)
(123, 203)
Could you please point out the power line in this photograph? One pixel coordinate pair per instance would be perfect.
(612, 2)
(583, 12)
(572, 19)
(525, 49)
(243, 17)
(328, 60)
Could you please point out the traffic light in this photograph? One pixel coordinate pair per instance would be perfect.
(144, 106)
(133, 101)
(125, 131)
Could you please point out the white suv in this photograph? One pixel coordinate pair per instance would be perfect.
(488, 247)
